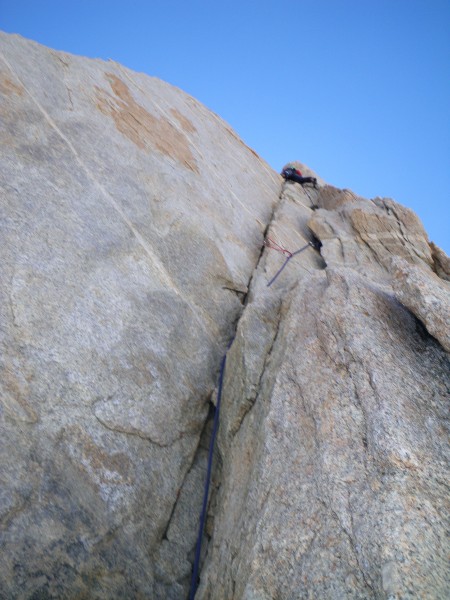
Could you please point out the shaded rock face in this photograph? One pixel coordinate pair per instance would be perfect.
(132, 221)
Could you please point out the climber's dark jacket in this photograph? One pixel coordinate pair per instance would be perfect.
(291, 174)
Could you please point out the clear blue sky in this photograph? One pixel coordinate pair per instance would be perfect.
(357, 89)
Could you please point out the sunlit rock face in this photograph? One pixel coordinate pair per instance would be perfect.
(132, 218)
(132, 226)
(333, 441)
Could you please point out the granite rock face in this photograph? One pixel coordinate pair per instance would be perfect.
(426, 295)
(132, 218)
(132, 221)
(333, 444)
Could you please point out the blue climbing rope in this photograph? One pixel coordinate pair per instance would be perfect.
(198, 549)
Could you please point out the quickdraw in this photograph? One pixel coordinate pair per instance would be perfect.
(269, 243)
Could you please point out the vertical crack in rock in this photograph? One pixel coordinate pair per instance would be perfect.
(261, 252)
(260, 321)
(335, 428)
(173, 562)
(270, 310)
(250, 401)
(200, 447)
(200, 457)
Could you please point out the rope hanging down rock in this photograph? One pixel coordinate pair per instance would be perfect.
(269, 243)
(194, 580)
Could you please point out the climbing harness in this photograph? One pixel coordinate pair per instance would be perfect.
(198, 549)
(286, 253)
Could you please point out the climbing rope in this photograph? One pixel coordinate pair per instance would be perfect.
(198, 549)
(194, 580)
(269, 243)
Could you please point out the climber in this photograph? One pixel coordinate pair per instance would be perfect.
(290, 173)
